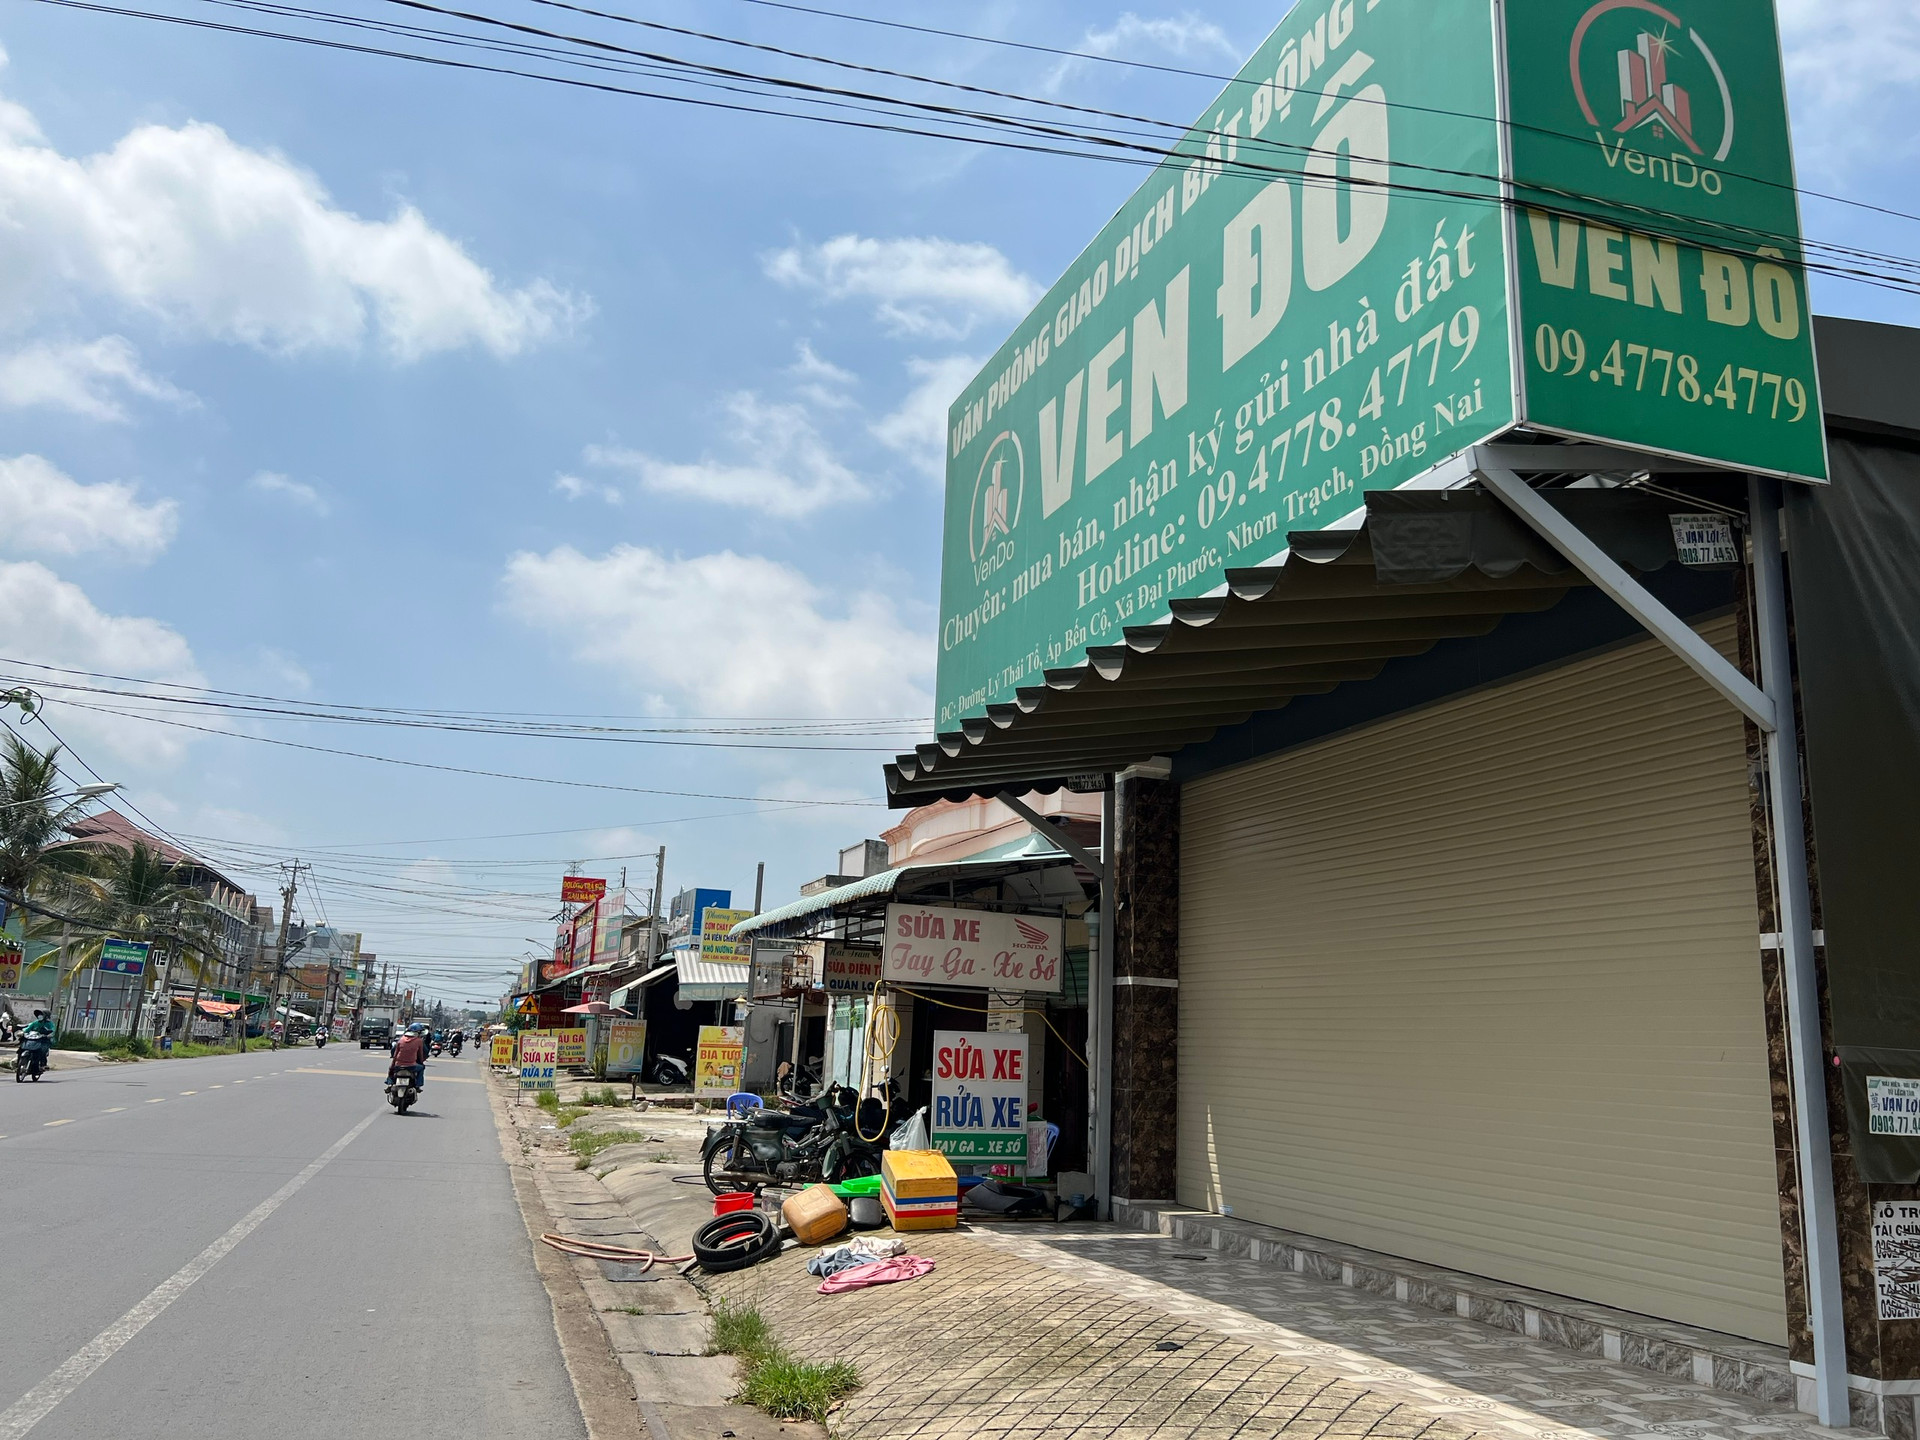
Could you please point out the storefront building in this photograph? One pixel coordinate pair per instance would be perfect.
(1508, 850)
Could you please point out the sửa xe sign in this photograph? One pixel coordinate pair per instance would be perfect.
(984, 949)
(1327, 290)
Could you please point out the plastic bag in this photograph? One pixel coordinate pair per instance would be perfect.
(911, 1133)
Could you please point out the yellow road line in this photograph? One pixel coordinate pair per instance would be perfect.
(381, 1075)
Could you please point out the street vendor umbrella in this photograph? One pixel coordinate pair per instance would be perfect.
(594, 1007)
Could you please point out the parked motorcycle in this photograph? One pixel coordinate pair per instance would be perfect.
(811, 1144)
(31, 1061)
(668, 1070)
(401, 1091)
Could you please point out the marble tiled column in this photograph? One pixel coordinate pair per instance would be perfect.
(1885, 1355)
(1146, 967)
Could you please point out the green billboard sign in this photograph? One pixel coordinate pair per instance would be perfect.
(1349, 270)
(1659, 279)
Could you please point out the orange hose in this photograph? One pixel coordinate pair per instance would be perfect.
(594, 1250)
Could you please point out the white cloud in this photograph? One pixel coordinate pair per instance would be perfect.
(1845, 60)
(822, 382)
(295, 492)
(47, 620)
(789, 470)
(1188, 36)
(574, 488)
(918, 429)
(82, 378)
(922, 285)
(238, 244)
(725, 634)
(44, 510)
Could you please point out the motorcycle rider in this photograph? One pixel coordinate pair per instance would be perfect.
(410, 1053)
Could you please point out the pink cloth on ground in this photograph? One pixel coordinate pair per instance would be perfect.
(880, 1272)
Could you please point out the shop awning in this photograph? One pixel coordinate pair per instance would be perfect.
(709, 979)
(219, 1009)
(1415, 568)
(658, 973)
(875, 890)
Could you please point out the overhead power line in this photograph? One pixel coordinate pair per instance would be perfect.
(900, 115)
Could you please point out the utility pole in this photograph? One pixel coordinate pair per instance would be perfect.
(280, 957)
(759, 885)
(653, 920)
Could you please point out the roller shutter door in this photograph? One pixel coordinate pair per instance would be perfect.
(1478, 985)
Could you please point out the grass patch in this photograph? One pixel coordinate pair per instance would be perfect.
(786, 1388)
(587, 1146)
(606, 1095)
(547, 1100)
(195, 1049)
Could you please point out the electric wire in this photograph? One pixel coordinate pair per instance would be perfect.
(1052, 140)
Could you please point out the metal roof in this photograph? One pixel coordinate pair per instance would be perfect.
(875, 890)
(1420, 567)
(709, 979)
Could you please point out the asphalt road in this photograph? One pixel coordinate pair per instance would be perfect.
(383, 1285)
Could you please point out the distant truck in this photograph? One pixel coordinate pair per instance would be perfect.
(376, 1026)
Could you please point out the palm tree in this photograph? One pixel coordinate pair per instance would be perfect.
(135, 893)
(30, 820)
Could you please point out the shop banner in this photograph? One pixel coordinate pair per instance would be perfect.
(987, 950)
(716, 1065)
(980, 1095)
(1321, 293)
(501, 1052)
(581, 889)
(1307, 300)
(1660, 292)
(123, 957)
(572, 1048)
(716, 944)
(851, 969)
(538, 1056)
(626, 1047)
(10, 967)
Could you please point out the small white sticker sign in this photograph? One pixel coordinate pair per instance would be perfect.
(1893, 1106)
(1896, 1258)
(1704, 540)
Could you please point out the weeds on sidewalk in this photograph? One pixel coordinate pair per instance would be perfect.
(786, 1388)
(606, 1095)
(590, 1145)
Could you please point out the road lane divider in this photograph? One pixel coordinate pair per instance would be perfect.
(34, 1406)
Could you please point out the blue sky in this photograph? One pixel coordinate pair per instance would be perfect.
(344, 379)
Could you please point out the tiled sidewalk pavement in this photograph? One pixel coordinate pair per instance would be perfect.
(1030, 1331)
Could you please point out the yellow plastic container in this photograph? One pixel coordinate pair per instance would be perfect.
(918, 1175)
(815, 1214)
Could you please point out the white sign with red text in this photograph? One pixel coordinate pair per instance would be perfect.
(980, 1095)
(935, 945)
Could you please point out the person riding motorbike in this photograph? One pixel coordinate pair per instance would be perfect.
(36, 1046)
(454, 1041)
(410, 1053)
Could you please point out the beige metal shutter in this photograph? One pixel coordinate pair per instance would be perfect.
(1479, 985)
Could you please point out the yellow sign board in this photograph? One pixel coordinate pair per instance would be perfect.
(9, 968)
(573, 1047)
(626, 1047)
(716, 1066)
(502, 1052)
(714, 942)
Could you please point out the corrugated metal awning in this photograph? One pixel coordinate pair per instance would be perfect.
(1417, 568)
(709, 979)
(876, 890)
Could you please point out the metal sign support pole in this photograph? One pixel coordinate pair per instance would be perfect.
(1800, 982)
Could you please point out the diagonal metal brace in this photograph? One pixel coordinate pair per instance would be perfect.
(1054, 834)
(1633, 597)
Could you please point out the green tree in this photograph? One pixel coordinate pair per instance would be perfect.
(135, 894)
(31, 820)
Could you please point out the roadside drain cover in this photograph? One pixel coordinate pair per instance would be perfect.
(1188, 1255)
(622, 1273)
(1168, 1345)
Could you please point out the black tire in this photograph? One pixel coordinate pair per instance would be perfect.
(404, 1104)
(724, 1165)
(733, 1242)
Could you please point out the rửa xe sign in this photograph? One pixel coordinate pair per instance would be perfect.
(1352, 269)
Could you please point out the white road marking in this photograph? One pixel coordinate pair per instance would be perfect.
(213, 1087)
(189, 1092)
(158, 1100)
(51, 1123)
(112, 1108)
(34, 1406)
